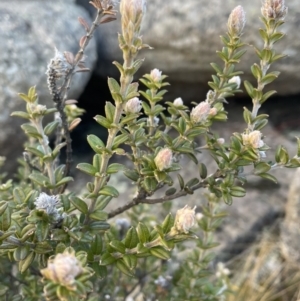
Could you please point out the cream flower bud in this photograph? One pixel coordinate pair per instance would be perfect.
(221, 141)
(63, 269)
(213, 112)
(163, 159)
(185, 219)
(155, 75)
(39, 109)
(274, 9)
(236, 21)
(222, 271)
(132, 11)
(200, 112)
(133, 105)
(178, 102)
(235, 80)
(253, 139)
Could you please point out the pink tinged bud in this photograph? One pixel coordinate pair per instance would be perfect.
(133, 105)
(253, 139)
(236, 21)
(221, 141)
(235, 80)
(178, 102)
(133, 11)
(274, 9)
(200, 112)
(213, 112)
(63, 269)
(185, 219)
(155, 75)
(163, 159)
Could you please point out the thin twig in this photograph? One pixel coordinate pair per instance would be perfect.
(62, 95)
(141, 200)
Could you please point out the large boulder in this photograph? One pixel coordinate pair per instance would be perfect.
(29, 32)
(185, 36)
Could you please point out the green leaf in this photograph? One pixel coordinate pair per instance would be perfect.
(247, 116)
(113, 85)
(261, 167)
(97, 245)
(143, 232)
(114, 168)
(43, 247)
(268, 177)
(118, 246)
(21, 253)
(131, 174)
(109, 191)
(107, 259)
(192, 182)
(270, 77)
(150, 184)
(99, 215)
(256, 71)
(79, 204)
(120, 140)
(103, 121)
(39, 178)
(102, 201)
(131, 238)
(97, 161)
(25, 263)
(168, 223)
(24, 97)
(31, 131)
(6, 219)
(51, 127)
(217, 68)
(57, 149)
(267, 95)
(95, 143)
(122, 266)
(99, 226)
(110, 111)
(249, 88)
(64, 181)
(132, 91)
(202, 170)
(87, 168)
(20, 114)
(170, 191)
(160, 252)
(181, 181)
(130, 260)
(237, 191)
(42, 230)
(3, 206)
(160, 176)
(227, 198)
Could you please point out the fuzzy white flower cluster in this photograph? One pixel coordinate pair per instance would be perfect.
(49, 204)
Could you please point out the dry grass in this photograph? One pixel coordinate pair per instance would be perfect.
(261, 274)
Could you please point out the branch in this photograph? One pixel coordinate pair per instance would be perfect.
(142, 200)
(61, 96)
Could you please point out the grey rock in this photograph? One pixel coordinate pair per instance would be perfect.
(28, 36)
(185, 37)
